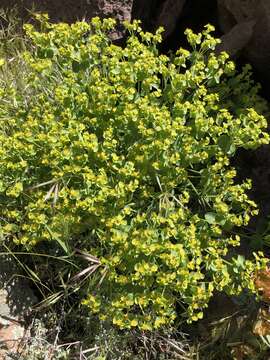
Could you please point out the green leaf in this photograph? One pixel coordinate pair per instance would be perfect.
(214, 218)
(46, 53)
(2, 187)
(220, 219)
(226, 144)
(210, 217)
(240, 261)
(60, 242)
(80, 65)
(267, 240)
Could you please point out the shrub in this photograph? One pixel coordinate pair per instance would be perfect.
(125, 154)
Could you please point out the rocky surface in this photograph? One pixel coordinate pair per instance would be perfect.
(246, 24)
(12, 330)
(16, 299)
(155, 13)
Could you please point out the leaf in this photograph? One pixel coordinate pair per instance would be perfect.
(2, 187)
(87, 256)
(240, 261)
(43, 184)
(226, 144)
(210, 217)
(49, 193)
(60, 242)
(220, 219)
(217, 78)
(45, 53)
(49, 301)
(266, 240)
(84, 273)
(80, 65)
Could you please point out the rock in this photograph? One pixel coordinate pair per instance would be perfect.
(16, 299)
(12, 331)
(232, 12)
(237, 38)
(155, 13)
(169, 14)
(146, 12)
(258, 49)
(119, 10)
(246, 24)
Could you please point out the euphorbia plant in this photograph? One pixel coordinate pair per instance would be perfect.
(125, 153)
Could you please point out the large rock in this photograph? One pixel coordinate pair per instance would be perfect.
(155, 13)
(170, 11)
(246, 27)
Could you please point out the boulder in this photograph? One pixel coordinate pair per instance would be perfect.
(246, 28)
(155, 13)
(169, 13)
(237, 38)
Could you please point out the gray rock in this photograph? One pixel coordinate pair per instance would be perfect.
(246, 24)
(16, 299)
(169, 14)
(155, 13)
(19, 294)
(237, 38)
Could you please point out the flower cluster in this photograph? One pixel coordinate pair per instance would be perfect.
(126, 153)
